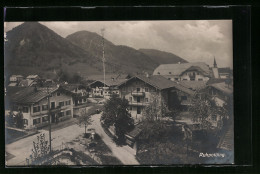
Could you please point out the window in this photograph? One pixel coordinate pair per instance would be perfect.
(44, 107)
(184, 79)
(130, 108)
(36, 109)
(183, 97)
(61, 114)
(25, 109)
(158, 73)
(176, 79)
(76, 90)
(67, 102)
(146, 89)
(200, 79)
(80, 101)
(130, 99)
(36, 121)
(170, 72)
(52, 105)
(138, 99)
(146, 99)
(45, 119)
(85, 100)
(58, 94)
(198, 73)
(138, 89)
(61, 104)
(68, 112)
(169, 78)
(25, 121)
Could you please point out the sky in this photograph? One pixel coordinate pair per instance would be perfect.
(192, 40)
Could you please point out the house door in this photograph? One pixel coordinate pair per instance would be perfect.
(138, 110)
(53, 118)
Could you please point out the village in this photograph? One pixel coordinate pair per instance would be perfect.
(180, 114)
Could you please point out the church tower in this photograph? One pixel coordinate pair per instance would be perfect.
(215, 69)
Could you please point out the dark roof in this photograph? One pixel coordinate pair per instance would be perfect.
(160, 83)
(224, 70)
(110, 82)
(194, 85)
(223, 87)
(30, 95)
(71, 87)
(215, 80)
(177, 69)
(136, 131)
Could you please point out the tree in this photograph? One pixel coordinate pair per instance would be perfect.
(203, 109)
(153, 124)
(156, 110)
(116, 113)
(85, 117)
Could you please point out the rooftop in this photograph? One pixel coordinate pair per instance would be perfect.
(177, 69)
(194, 85)
(160, 83)
(31, 95)
(223, 87)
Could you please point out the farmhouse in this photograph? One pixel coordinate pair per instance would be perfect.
(33, 103)
(197, 71)
(141, 90)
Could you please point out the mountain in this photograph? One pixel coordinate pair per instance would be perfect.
(162, 57)
(33, 48)
(121, 57)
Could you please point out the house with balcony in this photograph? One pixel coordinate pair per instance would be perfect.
(194, 71)
(141, 90)
(80, 94)
(105, 90)
(33, 103)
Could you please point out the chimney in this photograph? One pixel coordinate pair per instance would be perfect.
(147, 74)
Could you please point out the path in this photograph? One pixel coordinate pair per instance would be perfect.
(124, 153)
(22, 149)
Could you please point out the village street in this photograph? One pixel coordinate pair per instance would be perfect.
(22, 148)
(124, 153)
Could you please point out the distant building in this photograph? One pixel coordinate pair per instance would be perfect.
(225, 73)
(99, 89)
(141, 90)
(221, 92)
(27, 83)
(215, 70)
(32, 77)
(16, 78)
(33, 103)
(80, 95)
(197, 71)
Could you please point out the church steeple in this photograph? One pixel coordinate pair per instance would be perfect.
(215, 64)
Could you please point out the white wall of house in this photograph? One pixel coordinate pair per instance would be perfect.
(198, 76)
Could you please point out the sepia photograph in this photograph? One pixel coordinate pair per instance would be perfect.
(101, 93)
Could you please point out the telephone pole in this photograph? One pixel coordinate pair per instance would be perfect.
(103, 58)
(49, 115)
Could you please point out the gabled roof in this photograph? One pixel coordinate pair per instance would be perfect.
(16, 76)
(223, 87)
(195, 68)
(194, 85)
(224, 70)
(30, 95)
(71, 87)
(160, 83)
(177, 69)
(108, 77)
(26, 82)
(32, 76)
(110, 82)
(12, 84)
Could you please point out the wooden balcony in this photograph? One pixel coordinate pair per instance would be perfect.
(139, 94)
(135, 103)
(56, 109)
